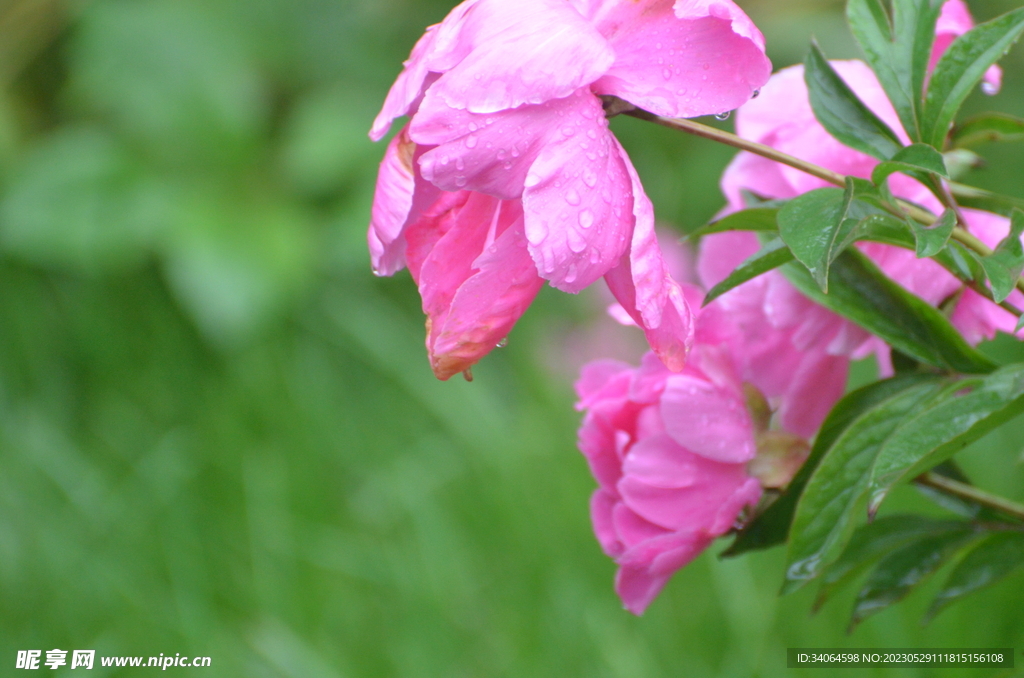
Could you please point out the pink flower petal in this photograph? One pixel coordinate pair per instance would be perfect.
(392, 202)
(644, 288)
(816, 384)
(646, 568)
(578, 200)
(657, 461)
(527, 52)
(708, 421)
(595, 376)
(602, 503)
(475, 283)
(492, 153)
(631, 529)
(704, 57)
(704, 485)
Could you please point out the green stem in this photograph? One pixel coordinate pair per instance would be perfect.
(960, 234)
(971, 493)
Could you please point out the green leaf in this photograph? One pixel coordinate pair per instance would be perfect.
(930, 240)
(815, 226)
(987, 127)
(860, 292)
(870, 542)
(822, 523)
(951, 423)
(753, 219)
(899, 572)
(1004, 266)
(993, 558)
(961, 68)
(771, 527)
(842, 113)
(897, 50)
(771, 256)
(912, 160)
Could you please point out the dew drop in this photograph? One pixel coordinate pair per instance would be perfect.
(572, 197)
(473, 127)
(723, 116)
(515, 152)
(460, 164)
(568, 131)
(706, 66)
(592, 133)
(586, 218)
(570, 275)
(501, 154)
(989, 88)
(444, 159)
(460, 181)
(471, 141)
(502, 344)
(589, 177)
(667, 73)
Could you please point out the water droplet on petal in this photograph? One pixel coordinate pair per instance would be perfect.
(570, 275)
(589, 177)
(592, 133)
(471, 141)
(568, 131)
(667, 73)
(502, 344)
(572, 197)
(444, 159)
(473, 127)
(723, 116)
(501, 154)
(460, 181)
(989, 88)
(460, 164)
(706, 66)
(586, 218)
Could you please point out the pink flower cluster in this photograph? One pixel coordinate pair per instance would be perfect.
(679, 456)
(507, 174)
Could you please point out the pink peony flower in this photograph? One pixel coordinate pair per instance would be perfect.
(678, 457)
(782, 118)
(507, 175)
(669, 453)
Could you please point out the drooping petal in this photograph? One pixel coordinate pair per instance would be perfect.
(700, 57)
(579, 199)
(476, 282)
(642, 285)
(508, 54)
(646, 568)
(392, 202)
(602, 503)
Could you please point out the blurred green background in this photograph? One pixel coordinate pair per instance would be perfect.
(219, 434)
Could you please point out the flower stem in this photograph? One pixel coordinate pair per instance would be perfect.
(925, 217)
(971, 493)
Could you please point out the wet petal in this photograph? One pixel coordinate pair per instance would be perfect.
(528, 52)
(392, 202)
(642, 285)
(578, 199)
(703, 56)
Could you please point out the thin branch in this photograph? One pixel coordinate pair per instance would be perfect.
(616, 106)
(971, 493)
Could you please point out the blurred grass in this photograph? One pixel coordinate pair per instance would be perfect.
(218, 432)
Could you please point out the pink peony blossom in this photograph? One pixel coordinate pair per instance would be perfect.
(507, 175)
(782, 118)
(678, 457)
(669, 452)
